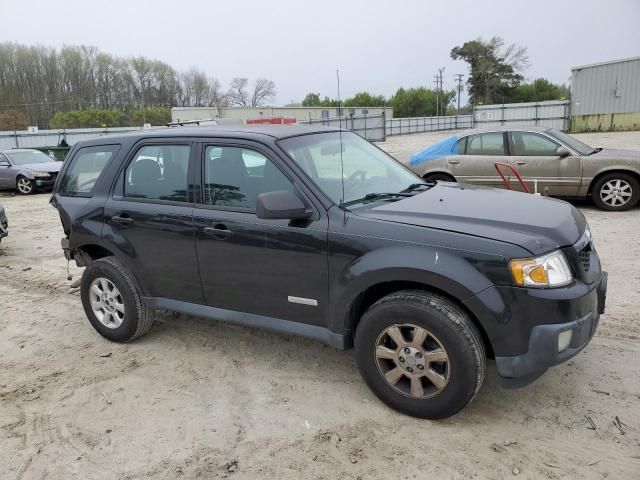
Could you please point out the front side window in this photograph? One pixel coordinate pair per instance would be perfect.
(234, 177)
(85, 169)
(532, 144)
(486, 144)
(333, 159)
(158, 172)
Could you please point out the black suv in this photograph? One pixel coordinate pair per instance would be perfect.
(319, 233)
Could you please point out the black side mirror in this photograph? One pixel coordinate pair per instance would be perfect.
(562, 151)
(280, 205)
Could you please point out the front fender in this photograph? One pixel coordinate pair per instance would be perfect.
(450, 271)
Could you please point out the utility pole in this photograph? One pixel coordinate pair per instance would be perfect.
(437, 82)
(459, 80)
(440, 72)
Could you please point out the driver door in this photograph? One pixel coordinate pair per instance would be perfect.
(6, 172)
(534, 156)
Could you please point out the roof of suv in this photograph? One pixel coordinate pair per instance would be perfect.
(236, 131)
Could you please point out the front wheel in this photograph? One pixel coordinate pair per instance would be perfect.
(420, 354)
(25, 186)
(616, 192)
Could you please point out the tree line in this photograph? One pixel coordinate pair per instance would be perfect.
(38, 82)
(495, 76)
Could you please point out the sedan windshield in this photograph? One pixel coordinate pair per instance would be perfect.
(571, 142)
(27, 157)
(368, 174)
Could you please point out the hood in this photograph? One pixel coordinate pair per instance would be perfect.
(538, 224)
(51, 167)
(616, 154)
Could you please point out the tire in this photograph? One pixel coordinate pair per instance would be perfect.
(611, 189)
(122, 317)
(449, 328)
(439, 177)
(24, 186)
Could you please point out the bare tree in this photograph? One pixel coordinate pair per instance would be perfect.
(263, 91)
(238, 94)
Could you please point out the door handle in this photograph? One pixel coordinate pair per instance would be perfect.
(219, 231)
(521, 162)
(124, 221)
(454, 161)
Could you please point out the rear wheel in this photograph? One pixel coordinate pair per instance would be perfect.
(616, 192)
(442, 177)
(112, 302)
(420, 354)
(25, 186)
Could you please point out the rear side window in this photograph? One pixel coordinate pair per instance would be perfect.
(158, 172)
(85, 168)
(486, 144)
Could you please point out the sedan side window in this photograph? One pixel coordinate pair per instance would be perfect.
(533, 144)
(234, 177)
(486, 144)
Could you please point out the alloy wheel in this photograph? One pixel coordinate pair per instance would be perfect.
(24, 186)
(106, 302)
(616, 193)
(412, 361)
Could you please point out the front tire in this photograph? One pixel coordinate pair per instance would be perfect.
(616, 192)
(112, 301)
(420, 354)
(25, 186)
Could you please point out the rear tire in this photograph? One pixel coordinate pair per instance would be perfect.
(439, 177)
(112, 302)
(24, 186)
(432, 376)
(616, 192)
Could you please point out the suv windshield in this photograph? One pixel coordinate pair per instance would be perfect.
(577, 145)
(28, 157)
(369, 173)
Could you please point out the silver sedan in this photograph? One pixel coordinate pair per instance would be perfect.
(549, 161)
(27, 170)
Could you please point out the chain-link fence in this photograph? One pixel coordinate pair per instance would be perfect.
(401, 126)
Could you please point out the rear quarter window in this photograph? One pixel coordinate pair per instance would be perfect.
(85, 168)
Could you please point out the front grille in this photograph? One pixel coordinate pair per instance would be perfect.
(585, 257)
(53, 175)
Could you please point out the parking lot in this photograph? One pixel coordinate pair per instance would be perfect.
(202, 399)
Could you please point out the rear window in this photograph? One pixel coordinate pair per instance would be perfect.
(85, 169)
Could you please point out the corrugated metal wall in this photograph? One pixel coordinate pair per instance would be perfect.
(553, 114)
(612, 87)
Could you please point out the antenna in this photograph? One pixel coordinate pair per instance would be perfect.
(341, 146)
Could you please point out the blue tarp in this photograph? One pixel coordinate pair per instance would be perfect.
(448, 146)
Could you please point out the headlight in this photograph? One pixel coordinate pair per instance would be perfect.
(41, 174)
(551, 270)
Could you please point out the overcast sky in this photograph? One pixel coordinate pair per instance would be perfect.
(377, 45)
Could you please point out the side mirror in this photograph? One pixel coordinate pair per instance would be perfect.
(280, 205)
(562, 151)
(4, 163)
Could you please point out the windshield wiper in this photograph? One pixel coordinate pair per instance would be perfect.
(416, 186)
(377, 196)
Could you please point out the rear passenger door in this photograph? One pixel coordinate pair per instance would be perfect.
(476, 159)
(272, 268)
(149, 216)
(534, 156)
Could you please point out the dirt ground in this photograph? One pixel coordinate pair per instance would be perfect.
(201, 399)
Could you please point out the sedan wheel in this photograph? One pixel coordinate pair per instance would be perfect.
(616, 192)
(25, 186)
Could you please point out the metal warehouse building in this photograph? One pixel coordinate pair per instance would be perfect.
(606, 96)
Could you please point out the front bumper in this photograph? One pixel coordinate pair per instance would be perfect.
(520, 370)
(44, 184)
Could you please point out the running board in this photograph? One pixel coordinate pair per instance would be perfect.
(250, 320)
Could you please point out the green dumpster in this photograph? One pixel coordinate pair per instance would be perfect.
(57, 153)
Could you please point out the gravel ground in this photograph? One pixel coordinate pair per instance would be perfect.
(201, 399)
